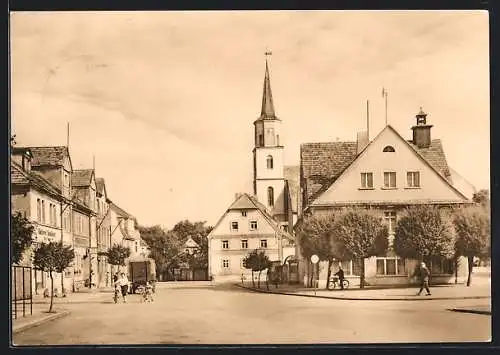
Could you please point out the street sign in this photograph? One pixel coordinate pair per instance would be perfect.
(314, 259)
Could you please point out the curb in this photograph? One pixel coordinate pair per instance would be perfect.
(366, 298)
(473, 311)
(38, 322)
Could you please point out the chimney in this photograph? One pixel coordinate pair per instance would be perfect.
(362, 141)
(422, 131)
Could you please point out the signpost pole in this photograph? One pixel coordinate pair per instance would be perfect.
(314, 260)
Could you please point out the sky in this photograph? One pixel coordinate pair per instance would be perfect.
(165, 101)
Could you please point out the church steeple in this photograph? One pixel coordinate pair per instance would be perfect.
(267, 110)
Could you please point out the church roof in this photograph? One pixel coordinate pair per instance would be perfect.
(323, 163)
(267, 110)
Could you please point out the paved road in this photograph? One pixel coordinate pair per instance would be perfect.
(203, 314)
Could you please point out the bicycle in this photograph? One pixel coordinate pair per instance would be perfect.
(334, 283)
(116, 294)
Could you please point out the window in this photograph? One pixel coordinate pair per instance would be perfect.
(244, 213)
(389, 149)
(391, 266)
(225, 263)
(270, 196)
(263, 243)
(253, 225)
(234, 226)
(261, 140)
(242, 263)
(43, 211)
(440, 265)
(38, 210)
(389, 180)
(367, 180)
(269, 160)
(413, 179)
(277, 139)
(270, 136)
(350, 267)
(225, 244)
(244, 244)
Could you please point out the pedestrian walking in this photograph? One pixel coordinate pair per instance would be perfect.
(123, 282)
(423, 274)
(340, 275)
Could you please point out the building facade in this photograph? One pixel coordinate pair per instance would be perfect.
(73, 207)
(386, 175)
(40, 202)
(245, 226)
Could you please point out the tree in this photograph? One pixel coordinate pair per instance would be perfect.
(256, 261)
(117, 254)
(198, 231)
(22, 236)
(473, 235)
(165, 247)
(53, 257)
(316, 237)
(359, 234)
(424, 232)
(482, 197)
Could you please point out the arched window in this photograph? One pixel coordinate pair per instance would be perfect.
(270, 196)
(388, 149)
(269, 162)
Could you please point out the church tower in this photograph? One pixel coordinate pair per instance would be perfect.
(269, 180)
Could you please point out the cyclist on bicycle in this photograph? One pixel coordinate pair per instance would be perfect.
(340, 275)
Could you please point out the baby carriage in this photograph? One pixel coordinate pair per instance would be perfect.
(146, 292)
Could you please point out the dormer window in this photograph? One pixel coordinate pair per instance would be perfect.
(388, 149)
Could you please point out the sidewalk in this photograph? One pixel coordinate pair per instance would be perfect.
(441, 292)
(41, 306)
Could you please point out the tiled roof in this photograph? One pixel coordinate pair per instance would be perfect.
(20, 177)
(52, 156)
(120, 211)
(17, 176)
(323, 163)
(292, 175)
(246, 201)
(81, 178)
(434, 156)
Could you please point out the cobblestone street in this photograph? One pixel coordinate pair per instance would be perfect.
(198, 313)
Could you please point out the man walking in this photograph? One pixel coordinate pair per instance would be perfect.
(123, 282)
(423, 274)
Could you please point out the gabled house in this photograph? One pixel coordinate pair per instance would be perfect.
(246, 225)
(387, 174)
(103, 233)
(124, 231)
(38, 200)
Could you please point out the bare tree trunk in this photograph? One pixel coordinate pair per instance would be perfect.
(62, 283)
(258, 280)
(362, 273)
(253, 280)
(456, 269)
(51, 291)
(470, 261)
(310, 274)
(329, 272)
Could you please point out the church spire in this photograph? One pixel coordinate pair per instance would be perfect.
(267, 110)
